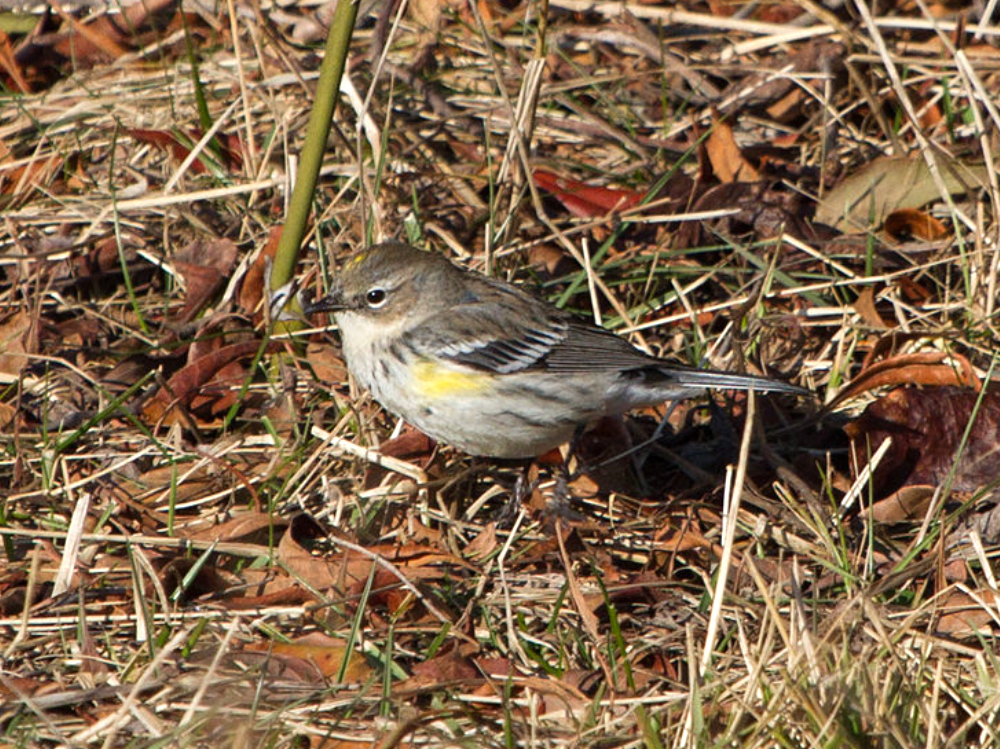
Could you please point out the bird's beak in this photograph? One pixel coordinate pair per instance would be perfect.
(333, 302)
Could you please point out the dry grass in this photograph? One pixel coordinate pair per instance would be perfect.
(192, 570)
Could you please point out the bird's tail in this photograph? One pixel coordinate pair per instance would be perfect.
(698, 379)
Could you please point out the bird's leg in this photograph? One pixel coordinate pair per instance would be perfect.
(523, 486)
(559, 503)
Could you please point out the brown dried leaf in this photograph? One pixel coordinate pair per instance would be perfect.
(252, 289)
(244, 527)
(909, 223)
(227, 146)
(326, 363)
(13, 330)
(932, 368)
(325, 654)
(865, 305)
(725, 156)
(483, 544)
(448, 667)
(13, 76)
(926, 427)
(891, 183)
(182, 387)
(205, 266)
(909, 503)
(348, 568)
(967, 613)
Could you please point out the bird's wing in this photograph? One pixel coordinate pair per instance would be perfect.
(503, 329)
(509, 338)
(506, 335)
(587, 347)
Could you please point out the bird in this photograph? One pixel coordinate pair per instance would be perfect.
(487, 366)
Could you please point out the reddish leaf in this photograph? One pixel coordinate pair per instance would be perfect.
(585, 200)
(910, 369)
(252, 290)
(205, 266)
(926, 427)
(186, 382)
(14, 77)
(289, 595)
(230, 146)
(910, 223)
(412, 446)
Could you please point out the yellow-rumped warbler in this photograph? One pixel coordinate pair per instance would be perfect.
(485, 366)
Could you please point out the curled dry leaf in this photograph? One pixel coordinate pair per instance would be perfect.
(226, 146)
(927, 427)
(13, 330)
(928, 368)
(252, 288)
(188, 381)
(909, 223)
(909, 503)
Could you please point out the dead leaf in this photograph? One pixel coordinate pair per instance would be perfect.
(727, 160)
(484, 544)
(967, 613)
(347, 568)
(326, 363)
(865, 306)
(205, 266)
(13, 330)
(909, 503)
(252, 289)
(449, 666)
(227, 147)
(182, 387)
(14, 77)
(325, 653)
(586, 201)
(891, 183)
(929, 368)
(909, 223)
(109, 35)
(245, 527)
(926, 426)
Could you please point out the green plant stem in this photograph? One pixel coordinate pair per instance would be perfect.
(311, 159)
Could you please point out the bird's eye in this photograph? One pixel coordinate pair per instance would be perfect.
(376, 297)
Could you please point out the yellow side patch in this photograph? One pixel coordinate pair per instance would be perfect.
(434, 380)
